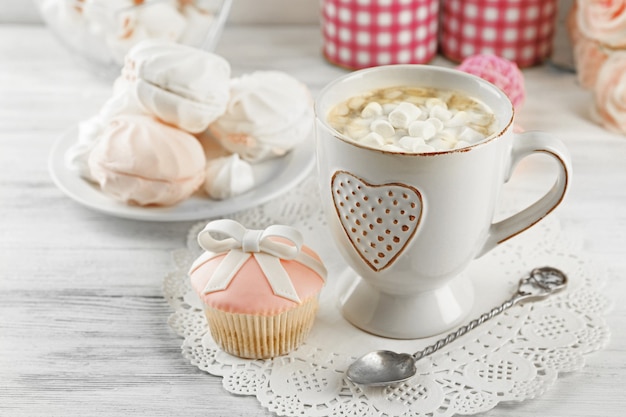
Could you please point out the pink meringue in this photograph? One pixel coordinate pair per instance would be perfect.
(139, 160)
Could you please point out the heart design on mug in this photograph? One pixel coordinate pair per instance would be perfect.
(379, 220)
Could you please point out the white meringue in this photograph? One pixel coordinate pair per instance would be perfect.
(227, 177)
(199, 23)
(77, 155)
(123, 101)
(130, 25)
(139, 160)
(179, 84)
(268, 114)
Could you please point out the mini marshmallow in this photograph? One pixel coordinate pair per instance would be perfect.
(433, 101)
(424, 149)
(449, 134)
(438, 124)
(470, 135)
(461, 144)
(410, 143)
(404, 114)
(356, 103)
(479, 119)
(440, 144)
(440, 112)
(342, 109)
(357, 131)
(393, 148)
(372, 109)
(392, 94)
(383, 128)
(388, 108)
(461, 118)
(373, 139)
(422, 129)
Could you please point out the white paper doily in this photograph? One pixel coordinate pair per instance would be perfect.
(514, 357)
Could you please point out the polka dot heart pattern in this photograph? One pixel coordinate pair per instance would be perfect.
(366, 33)
(520, 31)
(379, 220)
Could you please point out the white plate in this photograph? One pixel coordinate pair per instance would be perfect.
(273, 177)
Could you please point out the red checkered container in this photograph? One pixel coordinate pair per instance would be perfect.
(521, 31)
(366, 33)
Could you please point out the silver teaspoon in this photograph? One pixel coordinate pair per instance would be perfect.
(383, 367)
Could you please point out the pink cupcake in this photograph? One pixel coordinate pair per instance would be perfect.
(259, 288)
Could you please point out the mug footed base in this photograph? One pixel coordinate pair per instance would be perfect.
(406, 316)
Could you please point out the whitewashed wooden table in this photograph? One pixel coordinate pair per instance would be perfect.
(83, 323)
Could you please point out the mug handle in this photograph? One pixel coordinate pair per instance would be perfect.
(526, 144)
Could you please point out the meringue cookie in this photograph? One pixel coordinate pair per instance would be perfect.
(268, 114)
(77, 155)
(139, 160)
(227, 177)
(123, 101)
(179, 84)
(199, 22)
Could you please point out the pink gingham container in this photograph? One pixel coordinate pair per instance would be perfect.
(518, 30)
(366, 33)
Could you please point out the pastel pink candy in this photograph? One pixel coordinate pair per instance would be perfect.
(139, 160)
(501, 72)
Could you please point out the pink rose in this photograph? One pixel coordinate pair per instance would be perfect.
(589, 56)
(603, 20)
(610, 93)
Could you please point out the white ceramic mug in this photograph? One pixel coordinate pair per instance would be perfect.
(407, 224)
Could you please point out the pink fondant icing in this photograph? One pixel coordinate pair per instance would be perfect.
(250, 293)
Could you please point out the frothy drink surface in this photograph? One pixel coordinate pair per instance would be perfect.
(413, 119)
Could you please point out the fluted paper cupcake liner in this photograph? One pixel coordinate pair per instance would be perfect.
(260, 337)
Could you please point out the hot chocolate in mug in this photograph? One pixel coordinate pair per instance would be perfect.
(408, 224)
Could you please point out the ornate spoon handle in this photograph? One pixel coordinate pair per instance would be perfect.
(540, 283)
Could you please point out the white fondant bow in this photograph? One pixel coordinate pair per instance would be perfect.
(242, 243)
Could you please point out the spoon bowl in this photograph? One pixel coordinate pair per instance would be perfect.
(380, 367)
